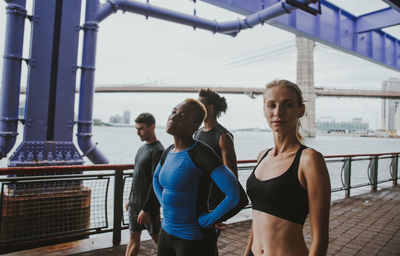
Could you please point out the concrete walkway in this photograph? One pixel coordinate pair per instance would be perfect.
(364, 225)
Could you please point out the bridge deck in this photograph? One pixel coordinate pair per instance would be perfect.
(367, 224)
(251, 91)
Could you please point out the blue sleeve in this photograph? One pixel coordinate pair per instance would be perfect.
(156, 183)
(228, 184)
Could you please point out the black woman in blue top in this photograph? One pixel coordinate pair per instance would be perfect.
(181, 183)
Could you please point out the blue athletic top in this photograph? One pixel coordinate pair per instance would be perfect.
(181, 183)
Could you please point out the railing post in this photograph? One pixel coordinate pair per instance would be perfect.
(394, 170)
(373, 173)
(347, 177)
(118, 194)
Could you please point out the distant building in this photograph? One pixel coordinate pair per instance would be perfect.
(127, 117)
(124, 119)
(97, 122)
(328, 124)
(116, 119)
(391, 107)
(326, 119)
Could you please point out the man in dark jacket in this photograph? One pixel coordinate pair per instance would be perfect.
(143, 206)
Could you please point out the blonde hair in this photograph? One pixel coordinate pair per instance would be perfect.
(200, 108)
(294, 87)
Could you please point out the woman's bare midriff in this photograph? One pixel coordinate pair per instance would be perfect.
(276, 236)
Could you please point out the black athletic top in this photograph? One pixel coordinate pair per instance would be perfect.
(282, 196)
(211, 138)
(142, 196)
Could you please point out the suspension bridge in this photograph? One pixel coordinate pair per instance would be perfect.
(251, 91)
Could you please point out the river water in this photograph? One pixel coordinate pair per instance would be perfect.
(121, 143)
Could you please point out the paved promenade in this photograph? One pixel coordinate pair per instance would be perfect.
(363, 225)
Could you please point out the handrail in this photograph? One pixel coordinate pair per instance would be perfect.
(359, 155)
(63, 169)
(104, 167)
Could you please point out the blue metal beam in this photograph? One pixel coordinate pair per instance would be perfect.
(230, 27)
(334, 27)
(377, 20)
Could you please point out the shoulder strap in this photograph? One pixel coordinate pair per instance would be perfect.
(164, 154)
(297, 157)
(265, 154)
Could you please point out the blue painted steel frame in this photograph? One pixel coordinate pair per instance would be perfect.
(52, 74)
(49, 107)
(360, 36)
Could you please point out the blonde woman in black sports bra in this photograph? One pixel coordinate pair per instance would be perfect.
(289, 183)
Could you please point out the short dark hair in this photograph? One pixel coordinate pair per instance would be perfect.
(214, 99)
(200, 109)
(145, 118)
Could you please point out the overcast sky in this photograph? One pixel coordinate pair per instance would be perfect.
(133, 50)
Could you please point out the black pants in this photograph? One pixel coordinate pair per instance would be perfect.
(250, 253)
(218, 232)
(169, 245)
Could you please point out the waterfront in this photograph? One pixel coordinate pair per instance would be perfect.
(120, 144)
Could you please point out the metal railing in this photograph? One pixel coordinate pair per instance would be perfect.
(53, 204)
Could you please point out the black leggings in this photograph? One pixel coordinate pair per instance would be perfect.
(169, 245)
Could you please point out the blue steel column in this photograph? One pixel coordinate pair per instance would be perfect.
(11, 81)
(86, 91)
(63, 113)
(39, 71)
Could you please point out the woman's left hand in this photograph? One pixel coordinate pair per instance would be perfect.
(220, 226)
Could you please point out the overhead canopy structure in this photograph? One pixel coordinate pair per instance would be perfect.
(361, 36)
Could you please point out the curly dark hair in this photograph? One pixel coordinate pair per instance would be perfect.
(214, 99)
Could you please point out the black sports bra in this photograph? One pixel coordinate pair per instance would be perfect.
(282, 196)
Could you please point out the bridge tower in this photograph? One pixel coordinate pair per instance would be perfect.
(305, 80)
